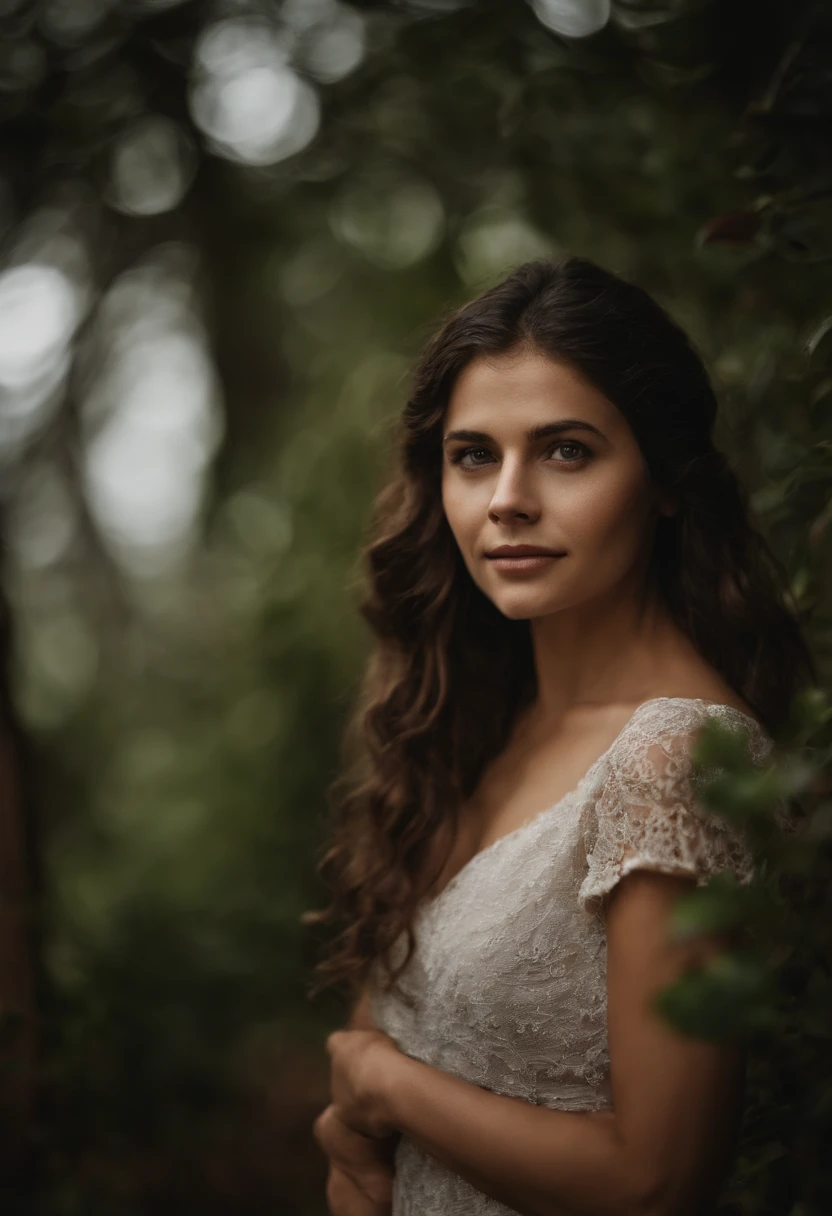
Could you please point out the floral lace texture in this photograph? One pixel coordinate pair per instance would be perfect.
(507, 986)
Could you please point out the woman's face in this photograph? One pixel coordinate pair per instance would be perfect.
(579, 486)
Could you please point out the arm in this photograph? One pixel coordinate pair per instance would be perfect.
(537, 1161)
(674, 1097)
(678, 1099)
(361, 1018)
(360, 1179)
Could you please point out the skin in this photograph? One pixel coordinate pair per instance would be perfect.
(599, 635)
(603, 643)
(361, 1170)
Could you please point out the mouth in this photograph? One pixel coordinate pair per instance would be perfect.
(523, 562)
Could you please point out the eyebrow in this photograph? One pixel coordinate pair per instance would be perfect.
(532, 435)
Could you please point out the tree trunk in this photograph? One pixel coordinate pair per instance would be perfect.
(18, 880)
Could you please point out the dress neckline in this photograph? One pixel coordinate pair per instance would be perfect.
(470, 864)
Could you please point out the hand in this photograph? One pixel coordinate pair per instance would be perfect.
(345, 1198)
(361, 1061)
(357, 1163)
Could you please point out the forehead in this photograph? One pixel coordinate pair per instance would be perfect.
(508, 388)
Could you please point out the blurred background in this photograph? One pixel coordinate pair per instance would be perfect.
(226, 228)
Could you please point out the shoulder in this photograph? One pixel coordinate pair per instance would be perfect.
(668, 728)
(649, 813)
(655, 770)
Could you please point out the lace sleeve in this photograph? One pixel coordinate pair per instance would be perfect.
(647, 817)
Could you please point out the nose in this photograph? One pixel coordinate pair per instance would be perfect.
(513, 494)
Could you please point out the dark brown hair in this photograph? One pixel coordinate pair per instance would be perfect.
(449, 672)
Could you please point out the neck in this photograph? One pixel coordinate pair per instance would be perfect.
(617, 648)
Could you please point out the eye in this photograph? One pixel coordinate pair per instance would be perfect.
(458, 456)
(581, 450)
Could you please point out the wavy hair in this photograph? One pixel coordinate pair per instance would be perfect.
(448, 672)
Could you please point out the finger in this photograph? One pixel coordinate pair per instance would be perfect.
(369, 1162)
(376, 1188)
(384, 1147)
(376, 1182)
(330, 1128)
(345, 1198)
(350, 1147)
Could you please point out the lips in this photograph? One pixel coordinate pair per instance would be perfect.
(503, 551)
(527, 563)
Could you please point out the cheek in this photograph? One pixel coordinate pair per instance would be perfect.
(606, 518)
(461, 509)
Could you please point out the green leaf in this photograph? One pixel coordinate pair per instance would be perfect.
(708, 909)
(729, 996)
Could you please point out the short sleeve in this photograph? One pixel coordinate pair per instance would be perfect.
(647, 816)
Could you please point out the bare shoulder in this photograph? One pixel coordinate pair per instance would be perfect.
(546, 756)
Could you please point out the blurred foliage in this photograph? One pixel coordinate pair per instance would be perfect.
(226, 228)
(774, 987)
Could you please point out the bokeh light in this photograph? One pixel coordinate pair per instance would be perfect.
(152, 418)
(573, 18)
(153, 164)
(247, 98)
(39, 309)
(394, 221)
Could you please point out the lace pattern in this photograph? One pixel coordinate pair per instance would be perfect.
(647, 817)
(507, 986)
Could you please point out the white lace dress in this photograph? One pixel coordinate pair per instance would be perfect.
(507, 985)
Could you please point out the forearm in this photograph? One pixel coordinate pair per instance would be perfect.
(361, 1018)
(538, 1161)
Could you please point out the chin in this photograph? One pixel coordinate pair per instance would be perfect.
(520, 609)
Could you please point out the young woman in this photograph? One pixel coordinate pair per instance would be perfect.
(564, 587)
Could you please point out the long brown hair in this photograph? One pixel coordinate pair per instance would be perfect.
(448, 672)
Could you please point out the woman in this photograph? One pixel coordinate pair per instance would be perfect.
(564, 588)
